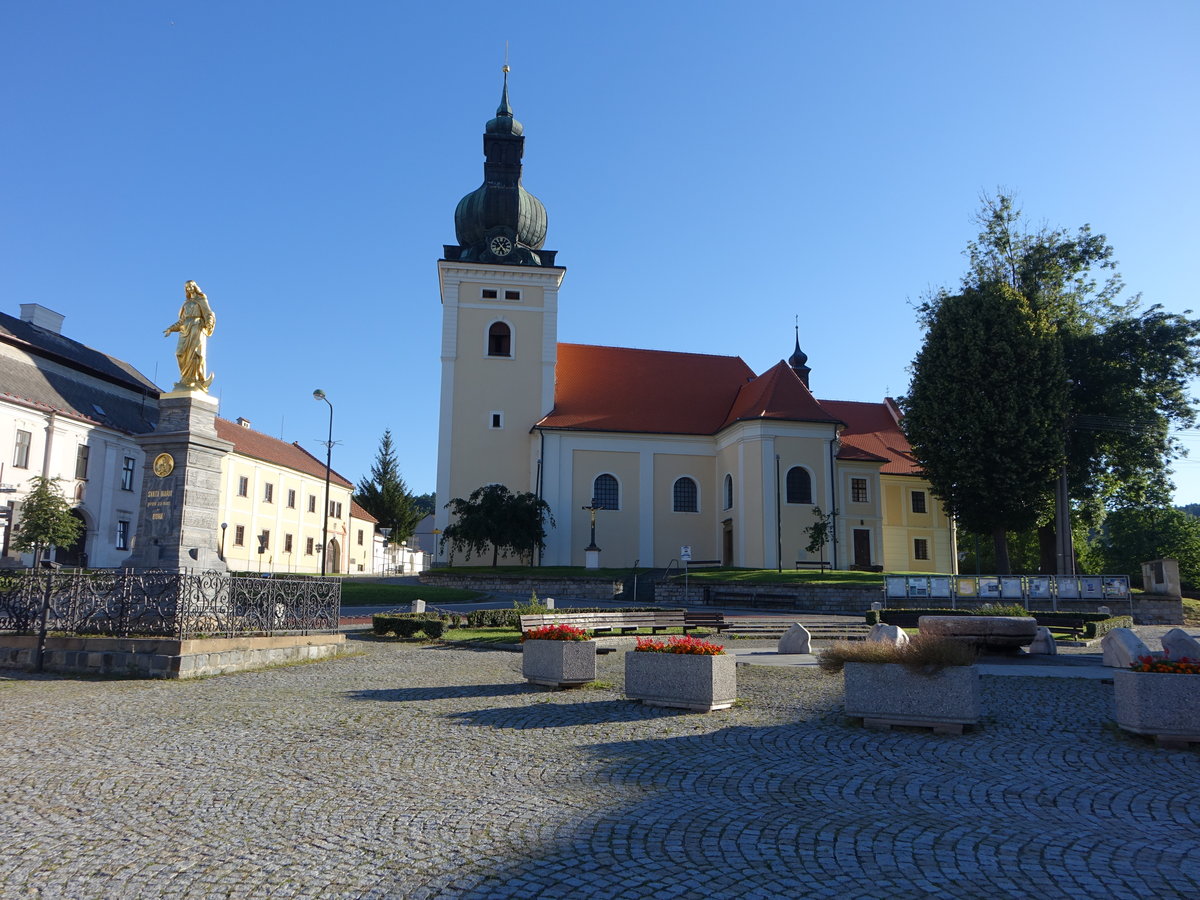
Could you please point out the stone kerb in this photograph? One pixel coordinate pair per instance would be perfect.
(167, 658)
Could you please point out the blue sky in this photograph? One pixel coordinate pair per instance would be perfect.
(711, 171)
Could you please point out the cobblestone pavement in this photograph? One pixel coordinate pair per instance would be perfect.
(436, 772)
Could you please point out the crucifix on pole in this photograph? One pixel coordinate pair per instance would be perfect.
(591, 551)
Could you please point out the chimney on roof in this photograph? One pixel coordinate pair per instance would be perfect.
(48, 319)
(245, 423)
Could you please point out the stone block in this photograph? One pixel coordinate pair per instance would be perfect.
(1178, 644)
(681, 680)
(558, 663)
(985, 631)
(1158, 703)
(891, 693)
(1121, 647)
(418, 606)
(796, 639)
(888, 634)
(1044, 643)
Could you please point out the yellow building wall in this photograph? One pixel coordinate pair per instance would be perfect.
(811, 454)
(674, 530)
(511, 386)
(751, 509)
(902, 527)
(617, 532)
(255, 514)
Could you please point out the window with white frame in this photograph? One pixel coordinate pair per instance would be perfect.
(21, 449)
(858, 490)
(606, 493)
(239, 535)
(920, 548)
(685, 495)
(81, 461)
(287, 543)
(308, 546)
(499, 340)
(268, 492)
(728, 491)
(128, 469)
(122, 534)
(312, 503)
(360, 537)
(496, 419)
(243, 486)
(291, 499)
(335, 509)
(918, 502)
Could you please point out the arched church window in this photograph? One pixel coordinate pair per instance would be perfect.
(729, 492)
(606, 494)
(685, 495)
(799, 485)
(499, 340)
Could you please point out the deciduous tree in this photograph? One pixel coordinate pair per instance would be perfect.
(495, 517)
(986, 410)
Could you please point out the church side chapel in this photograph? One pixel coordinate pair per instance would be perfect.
(674, 449)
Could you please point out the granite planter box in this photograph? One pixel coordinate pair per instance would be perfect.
(1162, 704)
(682, 680)
(891, 694)
(558, 663)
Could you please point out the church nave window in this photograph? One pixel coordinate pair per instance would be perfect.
(799, 485)
(685, 495)
(606, 493)
(499, 340)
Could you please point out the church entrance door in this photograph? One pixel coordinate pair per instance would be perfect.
(862, 547)
(727, 542)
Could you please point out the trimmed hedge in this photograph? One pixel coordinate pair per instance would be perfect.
(406, 625)
(1094, 624)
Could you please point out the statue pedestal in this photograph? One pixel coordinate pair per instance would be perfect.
(591, 557)
(181, 485)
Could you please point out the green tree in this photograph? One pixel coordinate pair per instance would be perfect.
(820, 532)
(1128, 366)
(1134, 535)
(426, 503)
(385, 495)
(494, 517)
(46, 519)
(986, 410)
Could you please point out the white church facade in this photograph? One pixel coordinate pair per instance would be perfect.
(676, 449)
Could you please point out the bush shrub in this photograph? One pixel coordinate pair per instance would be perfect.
(1001, 609)
(406, 628)
(433, 628)
(924, 654)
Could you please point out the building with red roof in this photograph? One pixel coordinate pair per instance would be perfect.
(672, 452)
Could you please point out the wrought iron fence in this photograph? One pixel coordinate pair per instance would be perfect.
(167, 604)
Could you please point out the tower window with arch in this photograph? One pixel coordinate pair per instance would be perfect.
(499, 340)
(606, 493)
(685, 495)
(799, 485)
(728, 491)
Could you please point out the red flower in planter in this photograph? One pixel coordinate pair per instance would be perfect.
(555, 633)
(686, 644)
(1182, 666)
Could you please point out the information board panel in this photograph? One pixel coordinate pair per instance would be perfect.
(1091, 587)
(1038, 587)
(966, 587)
(939, 587)
(989, 587)
(895, 586)
(918, 587)
(1067, 587)
(1116, 587)
(1012, 587)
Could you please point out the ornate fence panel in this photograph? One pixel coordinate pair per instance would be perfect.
(169, 604)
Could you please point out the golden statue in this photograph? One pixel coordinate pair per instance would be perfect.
(195, 326)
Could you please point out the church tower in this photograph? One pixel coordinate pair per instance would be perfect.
(499, 293)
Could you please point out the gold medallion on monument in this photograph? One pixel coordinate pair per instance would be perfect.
(164, 465)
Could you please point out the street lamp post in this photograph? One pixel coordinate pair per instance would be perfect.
(319, 394)
(224, 526)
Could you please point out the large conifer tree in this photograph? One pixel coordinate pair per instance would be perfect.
(385, 495)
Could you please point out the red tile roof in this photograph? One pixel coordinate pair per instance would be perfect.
(359, 513)
(778, 394)
(662, 392)
(873, 433)
(257, 445)
(656, 391)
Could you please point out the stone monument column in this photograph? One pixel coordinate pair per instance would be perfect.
(181, 483)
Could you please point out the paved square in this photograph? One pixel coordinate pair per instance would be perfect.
(436, 772)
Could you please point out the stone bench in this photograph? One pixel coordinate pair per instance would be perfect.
(1001, 632)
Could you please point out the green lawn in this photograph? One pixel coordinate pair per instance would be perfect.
(368, 594)
(1191, 611)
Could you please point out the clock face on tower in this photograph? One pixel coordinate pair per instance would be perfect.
(500, 246)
